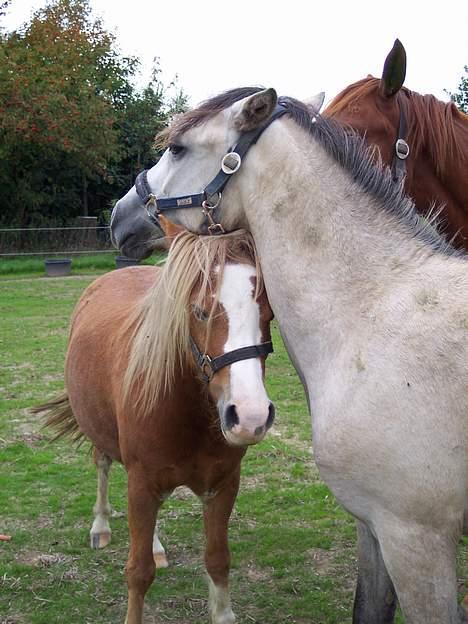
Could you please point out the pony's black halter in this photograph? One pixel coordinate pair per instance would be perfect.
(209, 366)
(210, 198)
(402, 149)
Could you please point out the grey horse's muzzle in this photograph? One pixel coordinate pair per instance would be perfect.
(132, 231)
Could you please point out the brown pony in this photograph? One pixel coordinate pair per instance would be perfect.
(140, 387)
(433, 151)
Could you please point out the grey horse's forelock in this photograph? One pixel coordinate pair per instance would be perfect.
(366, 168)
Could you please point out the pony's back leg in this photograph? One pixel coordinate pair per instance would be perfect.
(421, 562)
(217, 511)
(375, 599)
(159, 554)
(100, 531)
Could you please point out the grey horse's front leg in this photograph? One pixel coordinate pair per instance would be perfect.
(463, 614)
(375, 600)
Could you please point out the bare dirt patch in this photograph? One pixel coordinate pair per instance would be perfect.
(41, 560)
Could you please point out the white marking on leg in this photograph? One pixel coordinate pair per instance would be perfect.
(159, 554)
(219, 604)
(100, 531)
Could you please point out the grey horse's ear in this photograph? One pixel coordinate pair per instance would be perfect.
(250, 112)
(394, 71)
(315, 102)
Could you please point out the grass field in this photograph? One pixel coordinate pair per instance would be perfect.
(292, 545)
(87, 264)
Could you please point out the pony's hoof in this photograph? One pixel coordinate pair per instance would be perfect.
(227, 617)
(160, 560)
(100, 540)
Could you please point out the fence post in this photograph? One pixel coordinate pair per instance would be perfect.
(88, 235)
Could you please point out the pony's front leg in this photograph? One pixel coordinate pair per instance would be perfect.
(140, 568)
(100, 531)
(375, 599)
(217, 512)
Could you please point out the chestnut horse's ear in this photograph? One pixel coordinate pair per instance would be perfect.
(253, 110)
(169, 228)
(394, 71)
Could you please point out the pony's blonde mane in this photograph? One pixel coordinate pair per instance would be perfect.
(160, 343)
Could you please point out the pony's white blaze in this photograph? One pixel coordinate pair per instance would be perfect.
(246, 380)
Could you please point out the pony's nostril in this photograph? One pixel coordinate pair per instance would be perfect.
(259, 430)
(231, 418)
(271, 416)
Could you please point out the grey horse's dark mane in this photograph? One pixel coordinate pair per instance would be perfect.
(352, 152)
(346, 147)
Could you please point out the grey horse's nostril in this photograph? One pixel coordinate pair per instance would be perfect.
(271, 416)
(259, 430)
(231, 418)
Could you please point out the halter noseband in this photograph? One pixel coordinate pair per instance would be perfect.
(210, 198)
(209, 366)
(402, 149)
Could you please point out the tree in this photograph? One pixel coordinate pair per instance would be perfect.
(461, 97)
(73, 129)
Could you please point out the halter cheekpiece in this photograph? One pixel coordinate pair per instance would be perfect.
(402, 149)
(209, 200)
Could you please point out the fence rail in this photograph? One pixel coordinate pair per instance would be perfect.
(53, 241)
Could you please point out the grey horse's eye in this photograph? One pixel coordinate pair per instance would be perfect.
(176, 150)
(199, 314)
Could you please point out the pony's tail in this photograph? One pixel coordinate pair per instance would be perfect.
(58, 415)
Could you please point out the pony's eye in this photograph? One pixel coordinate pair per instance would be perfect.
(199, 314)
(176, 150)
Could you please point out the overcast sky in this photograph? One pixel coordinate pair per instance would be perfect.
(298, 47)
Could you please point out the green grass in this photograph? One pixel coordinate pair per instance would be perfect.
(86, 264)
(293, 547)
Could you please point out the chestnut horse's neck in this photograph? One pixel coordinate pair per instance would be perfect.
(438, 139)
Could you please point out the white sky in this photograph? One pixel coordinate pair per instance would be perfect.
(298, 47)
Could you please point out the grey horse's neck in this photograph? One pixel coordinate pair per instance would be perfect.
(344, 251)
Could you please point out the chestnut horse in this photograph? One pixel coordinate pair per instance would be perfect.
(424, 140)
(140, 387)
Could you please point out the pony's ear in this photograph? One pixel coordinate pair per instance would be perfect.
(169, 228)
(255, 109)
(394, 71)
(315, 102)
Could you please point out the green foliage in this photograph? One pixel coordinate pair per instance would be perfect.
(73, 128)
(461, 97)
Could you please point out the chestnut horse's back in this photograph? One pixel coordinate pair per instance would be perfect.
(98, 351)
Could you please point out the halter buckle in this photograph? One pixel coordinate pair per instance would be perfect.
(402, 149)
(206, 367)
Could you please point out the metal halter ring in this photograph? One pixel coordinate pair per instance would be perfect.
(206, 368)
(152, 203)
(402, 149)
(231, 163)
(207, 209)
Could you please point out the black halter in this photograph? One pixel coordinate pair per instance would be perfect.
(209, 366)
(210, 198)
(402, 149)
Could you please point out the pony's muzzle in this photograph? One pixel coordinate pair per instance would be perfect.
(243, 426)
